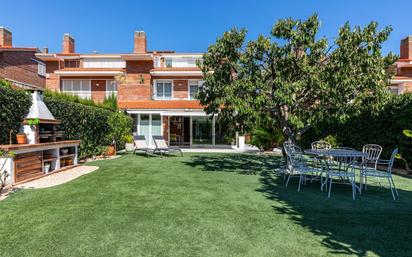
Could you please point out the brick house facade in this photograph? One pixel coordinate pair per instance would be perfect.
(156, 88)
(402, 82)
(19, 65)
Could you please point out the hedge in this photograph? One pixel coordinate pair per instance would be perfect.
(95, 126)
(385, 128)
(14, 106)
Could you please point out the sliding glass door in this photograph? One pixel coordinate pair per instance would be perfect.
(150, 125)
(202, 131)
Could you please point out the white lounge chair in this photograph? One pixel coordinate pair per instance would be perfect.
(140, 144)
(163, 148)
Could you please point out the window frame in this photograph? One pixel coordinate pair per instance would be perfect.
(84, 94)
(110, 92)
(163, 97)
(41, 69)
(199, 84)
(167, 59)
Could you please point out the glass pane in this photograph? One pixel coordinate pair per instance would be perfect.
(159, 90)
(135, 117)
(111, 85)
(76, 85)
(67, 85)
(168, 90)
(145, 127)
(202, 131)
(156, 126)
(168, 62)
(86, 85)
(193, 91)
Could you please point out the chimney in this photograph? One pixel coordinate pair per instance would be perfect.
(139, 42)
(68, 44)
(406, 48)
(5, 37)
(45, 50)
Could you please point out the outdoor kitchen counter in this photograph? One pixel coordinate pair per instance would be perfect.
(32, 161)
(40, 146)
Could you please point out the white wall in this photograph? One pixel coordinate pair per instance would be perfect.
(103, 63)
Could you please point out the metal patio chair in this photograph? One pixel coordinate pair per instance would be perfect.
(383, 174)
(297, 164)
(370, 162)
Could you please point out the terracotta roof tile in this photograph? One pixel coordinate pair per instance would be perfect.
(161, 104)
(11, 48)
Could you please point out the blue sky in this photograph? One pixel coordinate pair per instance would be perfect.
(184, 26)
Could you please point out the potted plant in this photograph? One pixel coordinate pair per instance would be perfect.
(21, 138)
(129, 146)
(110, 150)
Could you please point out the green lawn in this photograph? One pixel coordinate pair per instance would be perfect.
(203, 205)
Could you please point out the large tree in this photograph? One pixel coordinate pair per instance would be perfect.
(293, 76)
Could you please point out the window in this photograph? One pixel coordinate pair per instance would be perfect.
(103, 63)
(168, 62)
(394, 90)
(77, 87)
(72, 63)
(111, 88)
(163, 90)
(41, 69)
(194, 88)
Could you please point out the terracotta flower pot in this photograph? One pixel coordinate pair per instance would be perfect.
(21, 138)
(110, 151)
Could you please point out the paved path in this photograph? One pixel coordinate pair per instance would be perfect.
(58, 178)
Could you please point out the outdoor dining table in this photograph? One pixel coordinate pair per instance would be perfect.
(339, 156)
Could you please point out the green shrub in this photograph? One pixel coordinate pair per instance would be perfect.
(96, 127)
(267, 138)
(110, 102)
(78, 121)
(120, 126)
(384, 128)
(76, 99)
(14, 106)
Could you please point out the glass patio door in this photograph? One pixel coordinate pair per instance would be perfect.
(145, 127)
(150, 125)
(202, 131)
(156, 127)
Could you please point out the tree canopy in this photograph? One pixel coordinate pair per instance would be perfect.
(294, 77)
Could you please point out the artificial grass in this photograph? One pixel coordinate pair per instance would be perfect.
(203, 205)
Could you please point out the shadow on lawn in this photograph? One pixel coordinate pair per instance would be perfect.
(245, 164)
(373, 223)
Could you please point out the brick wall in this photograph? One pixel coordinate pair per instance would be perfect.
(53, 82)
(19, 66)
(406, 48)
(137, 83)
(405, 71)
(98, 88)
(180, 89)
(166, 128)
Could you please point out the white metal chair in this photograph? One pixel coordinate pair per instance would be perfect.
(341, 167)
(297, 164)
(383, 174)
(370, 161)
